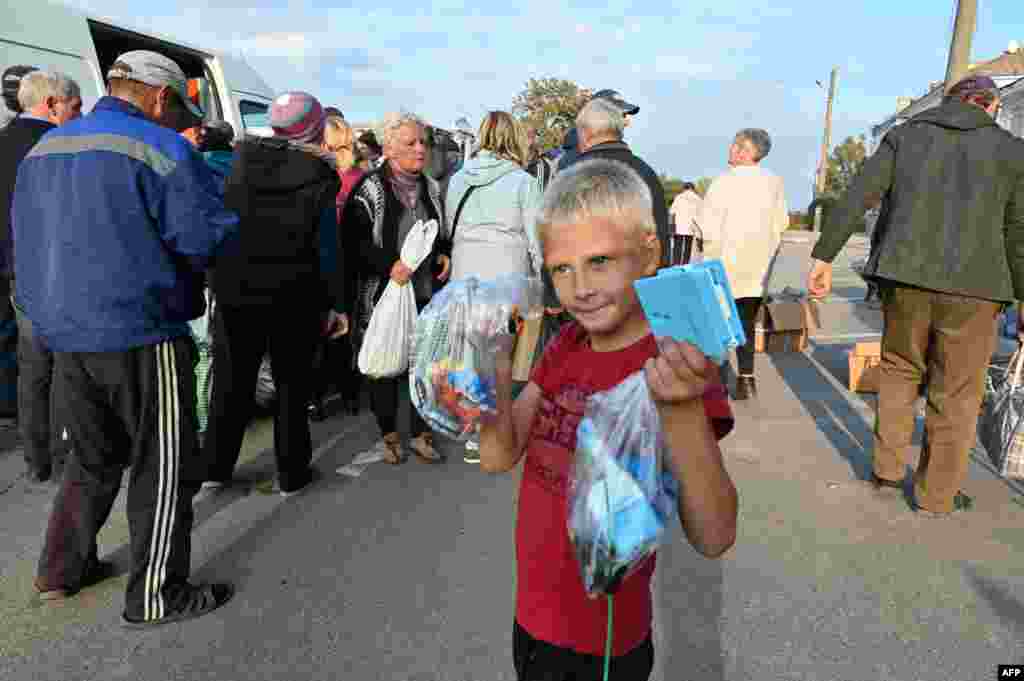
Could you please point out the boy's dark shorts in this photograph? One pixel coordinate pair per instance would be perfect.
(539, 661)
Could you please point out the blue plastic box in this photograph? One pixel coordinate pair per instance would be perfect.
(693, 303)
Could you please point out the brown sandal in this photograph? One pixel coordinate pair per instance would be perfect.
(393, 449)
(423, 447)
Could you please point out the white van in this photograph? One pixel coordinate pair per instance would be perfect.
(53, 36)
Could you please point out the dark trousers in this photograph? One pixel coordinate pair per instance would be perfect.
(242, 337)
(134, 408)
(748, 309)
(950, 339)
(537, 660)
(35, 403)
(332, 367)
(8, 355)
(387, 397)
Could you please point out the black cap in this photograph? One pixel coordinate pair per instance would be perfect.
(11, 82)
(334, 111)
(615, 98)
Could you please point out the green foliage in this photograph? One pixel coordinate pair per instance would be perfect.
(549, 106)
(844, 163)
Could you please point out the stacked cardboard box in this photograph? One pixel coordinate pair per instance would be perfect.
(783, 325)
(865, 360)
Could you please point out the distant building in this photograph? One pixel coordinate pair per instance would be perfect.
(1007, 70)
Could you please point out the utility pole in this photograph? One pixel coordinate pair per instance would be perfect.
(960, 48)
(826, 143)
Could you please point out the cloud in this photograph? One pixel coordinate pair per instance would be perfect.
(681, 65)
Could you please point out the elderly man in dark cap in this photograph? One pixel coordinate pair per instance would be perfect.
(122, 186)
(570, 145)
(948, 253)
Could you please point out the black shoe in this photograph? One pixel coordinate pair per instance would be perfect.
(746, 388)
(194, 601)
(881, 484)
(39, 475)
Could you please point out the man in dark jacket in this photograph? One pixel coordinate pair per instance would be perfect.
(45, 100)
(570, 145)
(279, 285)
(948, 252)
(600, 124)
(109, 279)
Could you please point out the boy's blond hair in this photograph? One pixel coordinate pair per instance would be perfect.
(597, 188)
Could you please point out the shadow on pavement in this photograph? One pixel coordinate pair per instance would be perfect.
(843, 426)
(1009, 609)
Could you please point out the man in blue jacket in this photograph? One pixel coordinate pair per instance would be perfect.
(114, 219)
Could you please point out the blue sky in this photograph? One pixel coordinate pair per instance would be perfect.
(698, 70)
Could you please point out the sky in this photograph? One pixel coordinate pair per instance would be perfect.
(699, 70)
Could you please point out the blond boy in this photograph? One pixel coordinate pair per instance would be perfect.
(598, 237)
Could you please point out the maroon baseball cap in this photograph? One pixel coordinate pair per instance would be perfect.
(972, 84)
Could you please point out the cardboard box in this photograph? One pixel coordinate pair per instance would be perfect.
(783, 326)
(865, 360)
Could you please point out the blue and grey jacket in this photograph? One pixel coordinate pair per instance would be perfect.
(114, 219)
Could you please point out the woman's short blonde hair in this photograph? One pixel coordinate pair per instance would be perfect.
(598, 188)
(504, 137)
(340, 139)
(395, 121)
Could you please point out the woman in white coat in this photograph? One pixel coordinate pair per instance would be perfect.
(743, 218)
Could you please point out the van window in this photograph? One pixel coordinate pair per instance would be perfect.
(74, 67)
(254, 114)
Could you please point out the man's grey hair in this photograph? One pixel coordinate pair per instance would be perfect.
(597, 188)
(601, 117)
(761, 140)
(37, 86)
(395, 121)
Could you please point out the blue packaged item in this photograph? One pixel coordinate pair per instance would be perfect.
(693, 303)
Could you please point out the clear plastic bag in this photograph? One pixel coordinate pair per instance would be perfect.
(458, 335)
(387, 344)
(621, 493)
(1001, 424)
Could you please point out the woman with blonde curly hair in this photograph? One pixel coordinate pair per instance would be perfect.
(492, 206)
(379, 214)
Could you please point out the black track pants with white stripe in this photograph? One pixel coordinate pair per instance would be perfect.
(128, 409)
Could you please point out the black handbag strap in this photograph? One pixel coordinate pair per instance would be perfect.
(458, 211)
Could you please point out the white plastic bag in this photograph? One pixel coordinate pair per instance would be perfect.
(387, 343)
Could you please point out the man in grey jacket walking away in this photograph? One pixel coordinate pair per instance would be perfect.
(948, 254)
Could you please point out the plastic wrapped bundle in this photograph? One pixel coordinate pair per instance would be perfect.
(621, 494)
(452, 373)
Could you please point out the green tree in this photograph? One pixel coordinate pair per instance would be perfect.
(844, 163)
(673, 187)
(550, 106)
(702, 185)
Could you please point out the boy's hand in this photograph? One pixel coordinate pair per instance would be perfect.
(678, 374)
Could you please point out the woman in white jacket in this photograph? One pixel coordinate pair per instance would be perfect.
(491, 206)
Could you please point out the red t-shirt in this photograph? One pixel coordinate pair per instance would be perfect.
(551, 603)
